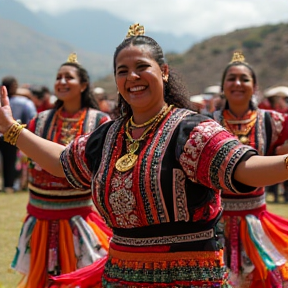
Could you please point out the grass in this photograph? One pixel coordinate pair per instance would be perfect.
(13, 211)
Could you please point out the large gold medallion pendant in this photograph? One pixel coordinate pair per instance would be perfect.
(126, 162)
(133, 147)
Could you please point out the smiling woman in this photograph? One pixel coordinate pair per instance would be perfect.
(140, 82)
(155, 177)
(54, 237)
(245, 219)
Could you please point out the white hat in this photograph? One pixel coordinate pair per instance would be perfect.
(198, 99)
(216, 89)
(276, 91)
(99, 90)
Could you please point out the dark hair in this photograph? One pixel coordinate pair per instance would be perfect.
(9, 82)
(37, 91)
(87, 99)
(236, 63)
(175, 91)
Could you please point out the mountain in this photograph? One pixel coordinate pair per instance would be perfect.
(89, 29)
(34, 58)
(33, 45)
(15, 11)
(264, 47)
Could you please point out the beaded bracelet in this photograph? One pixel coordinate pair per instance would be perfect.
(11, 136)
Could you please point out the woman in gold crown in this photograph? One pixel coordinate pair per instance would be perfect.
(61, 232)
(156, 174)
(256, 241)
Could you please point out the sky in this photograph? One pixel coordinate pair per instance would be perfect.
(202, 18)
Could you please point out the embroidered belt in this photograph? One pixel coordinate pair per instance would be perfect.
(164, 240)
(59, 192)
(243, 204)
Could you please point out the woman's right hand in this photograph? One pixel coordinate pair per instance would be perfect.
(6, 118)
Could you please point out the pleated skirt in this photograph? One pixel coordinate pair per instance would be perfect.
(256, 249)
(53, 247)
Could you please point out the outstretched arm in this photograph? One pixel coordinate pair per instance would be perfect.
(42, 151)
(259, 171)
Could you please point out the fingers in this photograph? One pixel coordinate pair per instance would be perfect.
(4, 97)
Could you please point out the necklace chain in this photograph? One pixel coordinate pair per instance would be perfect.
(133, 144)
(241, 133)
(133, 124)
(71, 127)
(66, 119)
(128, 161)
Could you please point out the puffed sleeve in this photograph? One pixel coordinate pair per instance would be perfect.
(81, 156)
(279, 129)
(211, 154)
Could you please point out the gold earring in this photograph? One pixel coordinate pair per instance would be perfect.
(165, 77)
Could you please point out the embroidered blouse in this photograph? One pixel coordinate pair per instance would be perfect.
(180, 170)
(50, 196)
(263, 135)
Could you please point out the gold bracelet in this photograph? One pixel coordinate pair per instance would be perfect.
(286, 162)
(11, 136)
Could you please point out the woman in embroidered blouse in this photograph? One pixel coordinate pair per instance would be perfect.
(62, 232)
(158, 179)
(251, 264)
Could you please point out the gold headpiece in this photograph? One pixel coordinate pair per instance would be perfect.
(72, 58)
(237, 57)
(135, 30)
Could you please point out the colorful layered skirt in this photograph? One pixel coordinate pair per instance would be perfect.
(256, 244)
(57, 238)
(154, 262)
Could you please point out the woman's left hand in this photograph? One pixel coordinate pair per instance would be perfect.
(6, 118)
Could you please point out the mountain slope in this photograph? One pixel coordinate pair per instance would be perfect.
(264, 47)
(34, 58)
(15, 11)
(101, 32)
(89, 29)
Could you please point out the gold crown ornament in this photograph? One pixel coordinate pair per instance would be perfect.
(72, 58)
(237, 57)
(135, 30)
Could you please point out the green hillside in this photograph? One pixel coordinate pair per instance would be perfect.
(265, 48)
(34, 58)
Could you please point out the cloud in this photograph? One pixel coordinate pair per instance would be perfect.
(198, 18)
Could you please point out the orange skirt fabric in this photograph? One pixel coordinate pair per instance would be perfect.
(80, 242)
(257, 250)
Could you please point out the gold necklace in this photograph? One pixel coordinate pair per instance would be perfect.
(133, 124)
(71, 127)
(127, 161)
(66, 119)
(239, 127)
(241, 134)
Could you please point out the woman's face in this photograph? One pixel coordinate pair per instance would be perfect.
(238, 85)
(139, 78)
(67, 85)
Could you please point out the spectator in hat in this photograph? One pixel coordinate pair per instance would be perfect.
(198, 102)
(277, 97)
(213, 98)
(105, 105)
